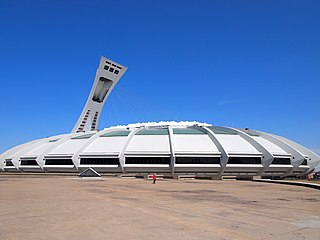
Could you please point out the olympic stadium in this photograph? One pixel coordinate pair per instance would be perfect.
(169, 148)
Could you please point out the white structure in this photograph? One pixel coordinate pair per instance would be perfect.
(107, 76)
(166, 147)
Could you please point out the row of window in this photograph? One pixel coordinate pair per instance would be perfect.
(167, 160)
(148, 160)
(84, 120)
(111, 69)
(197, 160)
(60, 161)
(281, 161)
(107, 62)
(244, 160)
(274, 172)
(29, 163)
(156, 160)
(99, 161)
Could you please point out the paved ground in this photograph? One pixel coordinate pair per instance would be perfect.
(112, 208)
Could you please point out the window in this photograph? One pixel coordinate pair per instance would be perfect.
(304, 162)
(222, 130)
(9, 163)
(59, 162)
(244, 160)
(191, 131)
(108, 62)
(116, 134)
(281, 161)
(253, 134)
(84, 136)
(111, 69)
(106, 67)
(153, 131)
(29, 163)
(197, 160)
(100, 161)
(275, 172)
(116, 71)
(148, 160)
(102, 89)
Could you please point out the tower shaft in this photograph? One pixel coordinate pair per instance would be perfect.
(107, 76)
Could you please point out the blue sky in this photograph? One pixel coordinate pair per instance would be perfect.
(252, 64)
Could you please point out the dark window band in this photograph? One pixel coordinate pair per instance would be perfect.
(197, 160)
(29, 163)
(281, 161)
(59, 162)
(100, 161)
(244, 160)
(147, 160)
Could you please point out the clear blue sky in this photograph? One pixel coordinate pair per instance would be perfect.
(252, 64)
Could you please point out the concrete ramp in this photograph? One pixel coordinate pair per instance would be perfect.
(89, 172)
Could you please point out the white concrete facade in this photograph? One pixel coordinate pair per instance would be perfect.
(147, 149)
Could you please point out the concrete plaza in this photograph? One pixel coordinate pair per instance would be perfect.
(67, 207)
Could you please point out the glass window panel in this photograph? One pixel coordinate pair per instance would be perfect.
(148, 160)
(281, 161)
(116, 134)
(187, 131)
(100, 161)
(155, 131)
(197, 160)
(222, 130)
(85, 136)
(244, 160)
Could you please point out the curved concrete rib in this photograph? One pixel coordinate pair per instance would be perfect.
(224, 155)
(121, 155)
(20, 149)
(171, 142)
(75, 158)
(40, 158)
(10, 151)
(313, 158)
(267, 157)
(16, 159)
(296, 157)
